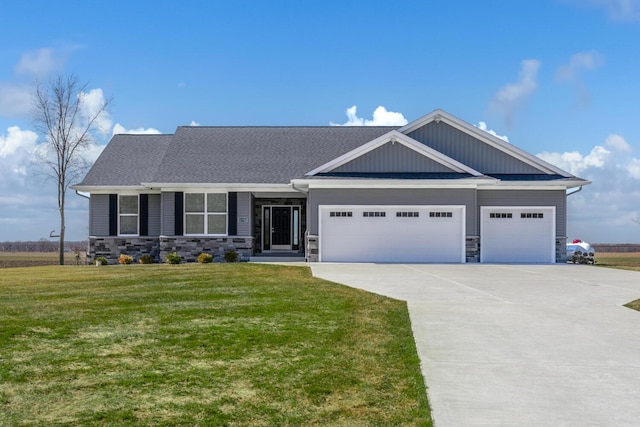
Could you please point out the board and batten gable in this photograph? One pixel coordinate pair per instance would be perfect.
(469, 150)
(393, 196)
(555, 198)
(392, 158)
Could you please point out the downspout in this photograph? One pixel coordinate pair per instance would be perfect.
(577, 191)
(82, 195)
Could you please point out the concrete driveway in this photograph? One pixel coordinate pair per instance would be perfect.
(517, 345)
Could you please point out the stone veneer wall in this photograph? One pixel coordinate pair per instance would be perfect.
(311, 243)
(561, 249)
(158, 247)
(472, 248)
(190, 247)
(112, 247)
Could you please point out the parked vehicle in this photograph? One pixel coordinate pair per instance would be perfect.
(579, 252)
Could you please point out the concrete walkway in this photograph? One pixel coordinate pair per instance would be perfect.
(517, 345)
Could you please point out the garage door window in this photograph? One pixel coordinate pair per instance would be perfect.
(500, 215)
(407, 214)
(440, 214)
(374, 214)
(532, 215)
(341, 214)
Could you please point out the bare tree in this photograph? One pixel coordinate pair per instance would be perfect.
(68, 122)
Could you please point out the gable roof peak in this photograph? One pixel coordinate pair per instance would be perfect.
(440, 115)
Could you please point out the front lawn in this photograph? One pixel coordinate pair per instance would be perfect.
(214, 344)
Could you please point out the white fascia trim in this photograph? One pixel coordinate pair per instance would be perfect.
(108, 189)
(533, 185)
(440, 115)
(395, 136)
(389, 183)
(172, 186)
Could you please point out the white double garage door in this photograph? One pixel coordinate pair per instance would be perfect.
(434, 234)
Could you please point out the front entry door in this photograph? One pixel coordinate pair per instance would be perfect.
(281, 227)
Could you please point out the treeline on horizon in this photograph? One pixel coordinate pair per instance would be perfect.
(41, 246)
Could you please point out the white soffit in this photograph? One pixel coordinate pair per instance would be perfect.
(395, 137)
(442, 116)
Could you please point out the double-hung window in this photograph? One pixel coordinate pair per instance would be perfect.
(205, 213)
(128, 215)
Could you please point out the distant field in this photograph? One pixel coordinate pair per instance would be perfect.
(32, 259)
(623, 260)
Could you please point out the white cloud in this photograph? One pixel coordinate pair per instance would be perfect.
(16, 140)
(617, 10)
(602, 212)
(513, 96)
(483, 126)
(15, 99)
(91, 103)
(194, 123)
(579, 61)
(617, 143)
(570, 73)
(40, 63)
(118, 128)
(381, 117)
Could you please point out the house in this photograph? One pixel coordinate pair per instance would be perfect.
(436, 190)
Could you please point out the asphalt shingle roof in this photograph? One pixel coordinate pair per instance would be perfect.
(256, 154)
(128, 160)
(270, 155)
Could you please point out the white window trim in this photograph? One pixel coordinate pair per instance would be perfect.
(137, 215)
(205, 213)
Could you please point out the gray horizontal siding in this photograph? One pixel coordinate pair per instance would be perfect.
(99, 215)
(555, 198)
(244, 210)
(464, 197)
(469, 150)
(392, 158)
(168, 210)
(154, 215)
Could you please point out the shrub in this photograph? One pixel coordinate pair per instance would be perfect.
(125, 259)
(231, 256)
(174, 258)
(146, 259)
(204, 258)
(101, 261)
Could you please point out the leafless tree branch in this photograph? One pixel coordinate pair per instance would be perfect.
(61, 116)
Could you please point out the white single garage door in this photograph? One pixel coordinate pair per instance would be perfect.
(518, 234)
(392, 233)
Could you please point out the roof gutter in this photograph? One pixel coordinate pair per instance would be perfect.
(302, 190)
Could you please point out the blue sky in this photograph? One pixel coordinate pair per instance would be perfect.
(559, 78)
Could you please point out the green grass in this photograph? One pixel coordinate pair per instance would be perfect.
(215, 344)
